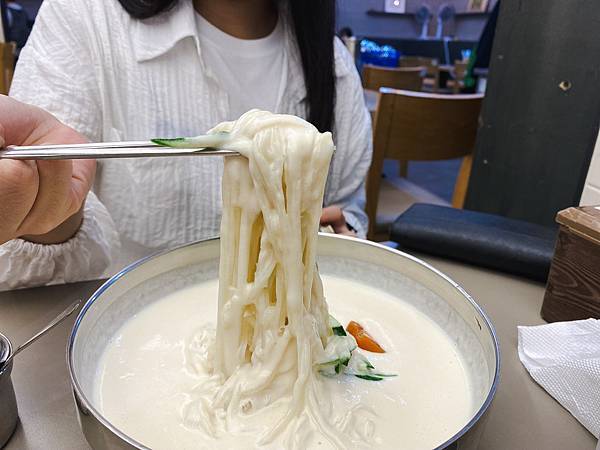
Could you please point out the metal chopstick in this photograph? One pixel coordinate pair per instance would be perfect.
(131, 149)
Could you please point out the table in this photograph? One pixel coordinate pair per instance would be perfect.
(522, 417)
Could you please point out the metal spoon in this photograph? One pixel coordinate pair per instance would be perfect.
(58, 319)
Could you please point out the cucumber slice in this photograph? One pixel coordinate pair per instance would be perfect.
(337, 354)
(336, 327)
(361, 367)
(333, 368)
(328, 371)
(207, 140)
(340, 357)
(368, 377)
(169, 142)
(338, 350)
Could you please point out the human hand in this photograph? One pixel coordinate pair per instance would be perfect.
(334, 216)
(40, 200)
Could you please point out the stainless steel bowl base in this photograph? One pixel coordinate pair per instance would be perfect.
(400, 274)
(9, 416)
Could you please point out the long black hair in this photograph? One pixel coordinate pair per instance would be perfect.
(314, 27)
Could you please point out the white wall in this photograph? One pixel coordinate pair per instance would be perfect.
(591, 191)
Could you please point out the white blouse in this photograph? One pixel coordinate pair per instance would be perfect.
(115, 78)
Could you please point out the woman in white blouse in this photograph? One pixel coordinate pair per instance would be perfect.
(132, 69)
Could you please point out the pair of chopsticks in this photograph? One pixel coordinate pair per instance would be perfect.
(131, 149)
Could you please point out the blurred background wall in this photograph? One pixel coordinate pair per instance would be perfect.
(354, 14)
(31, 6)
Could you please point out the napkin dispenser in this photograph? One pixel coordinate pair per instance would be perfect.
(573, 287)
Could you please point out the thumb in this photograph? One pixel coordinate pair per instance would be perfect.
(81, 182)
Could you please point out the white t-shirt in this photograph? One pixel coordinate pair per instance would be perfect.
(250, 70)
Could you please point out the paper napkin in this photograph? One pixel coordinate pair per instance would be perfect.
(564, 358)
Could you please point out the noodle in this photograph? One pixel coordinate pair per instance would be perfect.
(272, 323)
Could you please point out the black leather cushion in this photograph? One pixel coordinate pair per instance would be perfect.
(487, 240)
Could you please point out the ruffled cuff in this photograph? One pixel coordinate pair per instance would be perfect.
(83, 257)
(356, 223)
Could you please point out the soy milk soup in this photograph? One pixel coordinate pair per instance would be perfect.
(149, 373)
(268, 365)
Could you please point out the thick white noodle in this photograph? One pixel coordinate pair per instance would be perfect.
(272, 322)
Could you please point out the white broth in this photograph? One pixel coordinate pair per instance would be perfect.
(150, 374)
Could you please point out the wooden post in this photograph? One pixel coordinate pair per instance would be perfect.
(7, 65)
(573, 290)
(540, 117)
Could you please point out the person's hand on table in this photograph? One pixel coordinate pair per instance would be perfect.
(334, 216)
(41, 201)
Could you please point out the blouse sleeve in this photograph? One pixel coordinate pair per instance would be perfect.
(83, 257)
(353, 139)
(55, 72)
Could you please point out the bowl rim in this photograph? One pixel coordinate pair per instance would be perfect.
(83, 400)
(3, 367)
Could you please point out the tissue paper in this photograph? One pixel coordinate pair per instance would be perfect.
(564, 358)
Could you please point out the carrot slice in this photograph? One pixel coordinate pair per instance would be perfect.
(363, 339)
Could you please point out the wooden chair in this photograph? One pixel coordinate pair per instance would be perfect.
(407, 78)
(431, 82)
(419, 126)
(7, 65)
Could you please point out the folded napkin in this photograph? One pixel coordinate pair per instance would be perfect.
(564, 358)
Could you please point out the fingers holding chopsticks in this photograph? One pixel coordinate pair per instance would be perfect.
(41, 201)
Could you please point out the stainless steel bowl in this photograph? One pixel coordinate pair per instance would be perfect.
(8, 403)
(150, 279)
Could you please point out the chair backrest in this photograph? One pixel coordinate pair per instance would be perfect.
(7, 65)
(423, 127)
(406, 78)
(420, 126)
